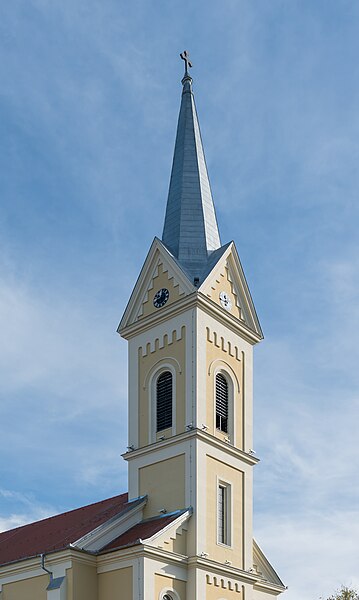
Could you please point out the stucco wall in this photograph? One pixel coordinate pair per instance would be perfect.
(223, 284)
(116, 585)
(161, 280)
(28, 589)
(148, 363)
(164, 482)
(222, 356)
(233, 553)
(217, 592)
(169, 583)
(84, 582)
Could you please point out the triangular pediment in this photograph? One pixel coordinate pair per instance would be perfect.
(226, 280)
(160, 271)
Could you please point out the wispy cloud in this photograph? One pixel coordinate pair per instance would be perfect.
(88, 107)
(27, 508)
(317, 551)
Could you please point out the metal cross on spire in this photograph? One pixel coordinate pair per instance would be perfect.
(185, 56)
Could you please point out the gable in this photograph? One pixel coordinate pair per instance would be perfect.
(262, 566)
(227, 277)
(160, 270)
(172, 537)
(223, 282)
(161, 279)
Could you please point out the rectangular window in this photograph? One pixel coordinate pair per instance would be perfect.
(223, 514)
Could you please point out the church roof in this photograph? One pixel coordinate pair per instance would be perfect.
(67, 529)
(58, 532)
(190, 228)
(142, 531)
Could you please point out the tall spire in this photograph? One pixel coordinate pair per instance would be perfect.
(190, 230)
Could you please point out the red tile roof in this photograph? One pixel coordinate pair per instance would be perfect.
(141, 531)
(56, 533)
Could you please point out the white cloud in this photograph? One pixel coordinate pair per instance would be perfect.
(314, 553)
(57, 345)
(28, 509)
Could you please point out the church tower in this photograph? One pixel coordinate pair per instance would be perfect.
(184, 529)
(191, 326)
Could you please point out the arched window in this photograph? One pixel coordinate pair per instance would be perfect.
(164, 401)
(221, 403)
(167, 594)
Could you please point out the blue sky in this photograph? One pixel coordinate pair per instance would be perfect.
(89, 101)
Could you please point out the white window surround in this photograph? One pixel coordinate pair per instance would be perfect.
(229, 512)
(220, 367)
(160, 367)
(171, 592)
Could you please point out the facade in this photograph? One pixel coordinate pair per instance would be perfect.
(184, 530)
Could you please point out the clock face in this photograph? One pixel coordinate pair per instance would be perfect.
(161, 297)
(225, 300)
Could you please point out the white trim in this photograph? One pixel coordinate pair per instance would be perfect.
(222, 368)
(115, 565)
(160, 367)
(219, 365)
(228, 486)
(133, 395)
(144, 279)
(111, 529)
(158, 449)
(169, 590)
(231, 260)
(174, 524)
(194, 300)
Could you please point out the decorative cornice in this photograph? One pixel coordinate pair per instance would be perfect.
(194, 300)
(106, 532)
(228, 571)
(27, 568)
(187, 435)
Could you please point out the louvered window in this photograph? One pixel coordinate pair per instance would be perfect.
(221, 403)
(164, 401)
(222, 516)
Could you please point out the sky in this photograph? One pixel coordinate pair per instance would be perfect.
(89, 100)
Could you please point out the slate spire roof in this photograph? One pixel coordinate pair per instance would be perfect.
(190, 230)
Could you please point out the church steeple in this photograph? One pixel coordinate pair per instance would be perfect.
(190, 230)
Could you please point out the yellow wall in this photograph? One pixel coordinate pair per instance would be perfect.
(217, 469)
(173, 348)
(28, 589)
(164, 482)
(214, 592)
(84, 581)
(69, 584)
(162, 582)
(116, 585)
(160, 281)
(177, 545)
(222, 284)
(231, 361)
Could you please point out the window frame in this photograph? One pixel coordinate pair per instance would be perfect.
(218, 383)
(169, 590)
(228, 516)
(152, 420)
(233, 388)
(168, 405)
